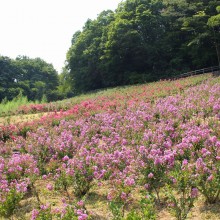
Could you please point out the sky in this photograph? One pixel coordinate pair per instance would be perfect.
(44, 28)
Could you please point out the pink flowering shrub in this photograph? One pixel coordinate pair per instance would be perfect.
(181, 191)
(11, 189)
(74, 211)
(16, 175)
(82, 173)
(43, 213)
(128, 141)
(7, 132)
(20, 166)
(207, 169)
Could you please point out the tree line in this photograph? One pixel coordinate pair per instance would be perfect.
(33, 78)
(144, 40)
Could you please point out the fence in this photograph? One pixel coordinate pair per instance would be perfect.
(214, 70)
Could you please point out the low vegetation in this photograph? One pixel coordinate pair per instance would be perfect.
(8, 108)
(140, 152)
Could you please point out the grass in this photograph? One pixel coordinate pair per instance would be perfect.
(9, 107)
(96, 203)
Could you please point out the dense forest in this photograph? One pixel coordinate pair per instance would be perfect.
(142, 41)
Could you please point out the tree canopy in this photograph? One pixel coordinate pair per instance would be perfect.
(144, 40)
(31, 77)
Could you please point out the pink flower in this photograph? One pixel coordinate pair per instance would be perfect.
(63, 200)
(194, 192)
(147, 186)
(123, 196)
(213, 139)
(200, 164)
(44, 207)
(185, 162)
(150, 175)
(218, 158)
(83, 216)
(110, 195)
(171, 204)
(44, 177)
(147, 196)
(210, 178)
(66, 158)
(174, 180)
(49, 186)
(129, 181)
(217, 144)
(34, 214)
(80, 203)
(142, 149)
(22, 187)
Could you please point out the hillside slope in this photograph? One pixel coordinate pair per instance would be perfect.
(141, 152)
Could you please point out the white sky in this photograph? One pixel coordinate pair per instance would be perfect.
(44, 28)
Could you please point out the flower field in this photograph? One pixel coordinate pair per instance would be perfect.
(142, 152)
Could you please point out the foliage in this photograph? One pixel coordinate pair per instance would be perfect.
(142, 41)
(181, 192)
(10, 203)
(9, 107)
(147, 210)
(34, 78)
(74, 211)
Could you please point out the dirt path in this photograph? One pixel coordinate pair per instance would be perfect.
(20, 118)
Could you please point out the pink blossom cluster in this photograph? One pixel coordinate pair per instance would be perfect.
(16, 174)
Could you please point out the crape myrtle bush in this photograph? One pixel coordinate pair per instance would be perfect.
(170, 144)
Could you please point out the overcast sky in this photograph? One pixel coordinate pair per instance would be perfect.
(44, 28)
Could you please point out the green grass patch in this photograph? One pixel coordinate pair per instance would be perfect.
(10, 107)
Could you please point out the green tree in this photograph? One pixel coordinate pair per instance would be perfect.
(214, 23)
(84, 55)
(31, 77)
(65, 84)
(200, 44)
(144, 40)
(41, 76)
(8, 78)
(135, 49)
